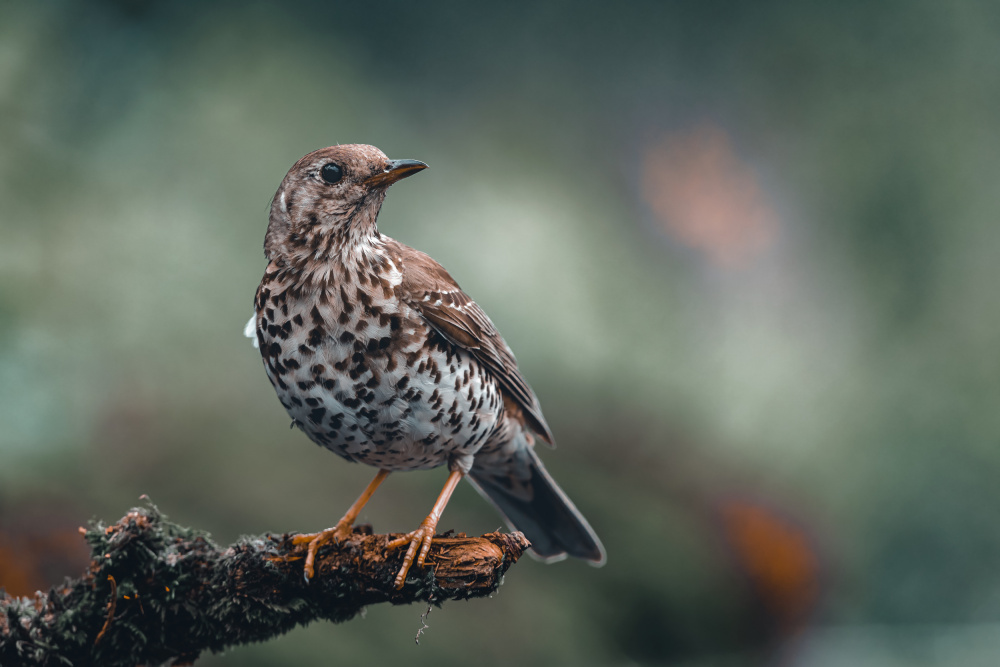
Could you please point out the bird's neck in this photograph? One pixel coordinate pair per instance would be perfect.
(345, 259)
(326, 250)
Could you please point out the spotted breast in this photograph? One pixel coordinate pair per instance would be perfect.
(364, 375)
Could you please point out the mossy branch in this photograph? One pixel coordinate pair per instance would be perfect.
(157, 592)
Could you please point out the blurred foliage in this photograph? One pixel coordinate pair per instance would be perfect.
(745, 253)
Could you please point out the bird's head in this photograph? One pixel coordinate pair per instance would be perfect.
(330, 199)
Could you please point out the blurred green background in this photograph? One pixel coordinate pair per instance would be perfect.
(746, 253)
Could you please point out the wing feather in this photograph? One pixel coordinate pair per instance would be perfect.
(430, 290)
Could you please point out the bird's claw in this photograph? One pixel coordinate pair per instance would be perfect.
(419, 539)
(334, 535)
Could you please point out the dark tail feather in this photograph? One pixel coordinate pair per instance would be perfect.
(532, 502)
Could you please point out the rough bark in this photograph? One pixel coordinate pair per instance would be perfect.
(159, 593)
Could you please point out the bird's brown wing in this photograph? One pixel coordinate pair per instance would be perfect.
(432, 292)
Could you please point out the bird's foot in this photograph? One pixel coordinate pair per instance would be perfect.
(419, 541)
(338, 533)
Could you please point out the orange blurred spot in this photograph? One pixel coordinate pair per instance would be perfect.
(705, 197)
(779, 559)
(32, 561)
(18, 574)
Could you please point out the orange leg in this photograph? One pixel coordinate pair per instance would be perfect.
(421, 538)
(343, 528)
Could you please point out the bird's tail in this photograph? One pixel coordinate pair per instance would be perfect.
(532, 502)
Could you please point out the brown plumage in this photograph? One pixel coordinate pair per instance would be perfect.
(429, 289)
(378, 355)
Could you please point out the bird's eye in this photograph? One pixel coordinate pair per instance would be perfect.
(331, 172)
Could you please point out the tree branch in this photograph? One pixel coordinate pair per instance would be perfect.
(158, 592)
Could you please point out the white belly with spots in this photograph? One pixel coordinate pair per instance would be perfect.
(374, 384)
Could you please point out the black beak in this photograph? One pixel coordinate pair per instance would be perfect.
(395, 171)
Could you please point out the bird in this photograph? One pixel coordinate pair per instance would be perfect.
(378, 355)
